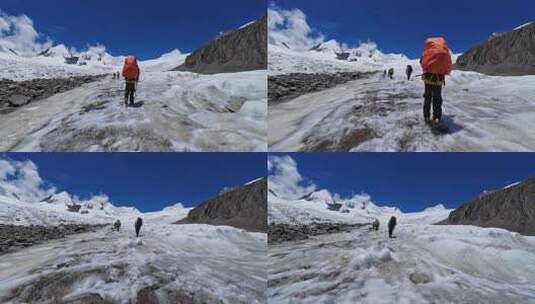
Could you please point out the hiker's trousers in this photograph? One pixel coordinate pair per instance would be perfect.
(433, 95)
(129, 92)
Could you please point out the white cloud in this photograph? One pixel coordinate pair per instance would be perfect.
(18, 33)
(22, 179)
(285, 180)
(290, 27)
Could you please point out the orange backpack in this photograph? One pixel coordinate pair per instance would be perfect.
(131, 68)
(436, 58)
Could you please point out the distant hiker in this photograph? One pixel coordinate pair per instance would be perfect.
(375, 225)
(384, 74)
(117, 225)
(137, 225)
(391, 226)
(391, 73)
(409, 72)
(436, 64)
(131, 76)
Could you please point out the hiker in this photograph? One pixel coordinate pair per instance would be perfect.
(436, 64)
(375, 225)
(409, 72)
(117, 225)
(391, 226)
(391, 73)
(137, 225)
(384, 74)
(131, 76)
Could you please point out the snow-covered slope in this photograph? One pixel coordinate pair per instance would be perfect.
(168, 262)
(423, 264)
(55, 211)
(91, 62)
(166, 62)
(313, 208)
(366, 57)
(176, 111)
(174, 263)
(483, 113)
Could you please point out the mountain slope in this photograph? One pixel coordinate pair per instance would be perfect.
(511, 208)
(244, 49)
(243, 207)
(508, 54)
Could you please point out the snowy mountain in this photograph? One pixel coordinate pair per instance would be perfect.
(317, 207)
(329, 57)
(423, 263)
(108, 266)
(321, 196)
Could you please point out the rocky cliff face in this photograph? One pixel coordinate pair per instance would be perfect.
(242, 207)
(508, 54)
(244, 49)
(512, 208)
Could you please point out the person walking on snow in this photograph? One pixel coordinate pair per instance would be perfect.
(391, 226)
(436, 64)
(375, 225)
(137, 225)
(131, 75)
(117, 225)
(409, 72)
(391, 73)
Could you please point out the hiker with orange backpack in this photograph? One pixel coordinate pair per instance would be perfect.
(131, 75)
(436, 64)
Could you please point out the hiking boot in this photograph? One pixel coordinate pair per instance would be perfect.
(436, 121)
(428, 120)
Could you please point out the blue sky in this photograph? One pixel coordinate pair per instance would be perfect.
(148, 181)
(144, 28)
(414, 181)
(401, 26)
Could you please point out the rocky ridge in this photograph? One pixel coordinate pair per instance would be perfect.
(242, 207)
(511, 208)
(16, 94)
(289, 86)
(244, 49)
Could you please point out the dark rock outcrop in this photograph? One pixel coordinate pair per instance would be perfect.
(282, 88)
(507, 54)
(279, 233)
(16, 94)
(334, 207)
(242, 207)
(12, 236)
(244, 49)
(512, 208)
